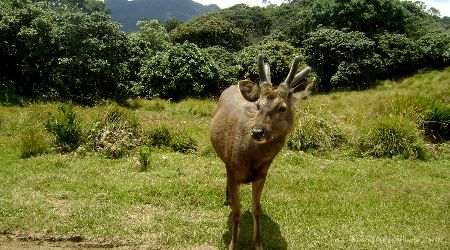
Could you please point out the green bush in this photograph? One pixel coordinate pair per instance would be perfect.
(160, 137)
(163, 137)
(144, 157)
(253, 21)
(226, 64)
(209, 30)
(134, 103)
(279, 55)
(391, 136)
(55, 54)
(182, 71)
(183, 143)
(314, 133)
(118, 132)
(67, 129)
(436, 123)
(400, 54)
(33, 143)
(341, 59)
(156, 105)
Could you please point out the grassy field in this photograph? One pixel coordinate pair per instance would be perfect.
(327, 197)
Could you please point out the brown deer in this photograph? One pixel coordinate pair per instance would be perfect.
(248, 130)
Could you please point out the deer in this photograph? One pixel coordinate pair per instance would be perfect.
(248, 130)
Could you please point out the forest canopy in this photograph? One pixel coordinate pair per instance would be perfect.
(72, 50)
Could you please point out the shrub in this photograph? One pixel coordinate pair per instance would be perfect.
(391, 136)
(209, 30)
(400, 54)
(183, 143)
(409, 106)
(144, 157)
(92, 62)
(156, 105)
(118, 132)
(341, 59)
(436, 123)
(180, 72)
(227, 65)
(314, 133)
(67, 129)
(134, 103)
(162, 137)
(278, 55)
(33, 143)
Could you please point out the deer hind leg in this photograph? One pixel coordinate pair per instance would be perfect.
(257, 187)
(233, 194)
(227, 201)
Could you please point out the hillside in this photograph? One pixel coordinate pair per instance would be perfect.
(129, 12)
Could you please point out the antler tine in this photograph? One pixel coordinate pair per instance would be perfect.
(292, 72)
(262, 71)
(301, 75)
(267, 70)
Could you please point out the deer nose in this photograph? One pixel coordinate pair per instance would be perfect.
(257, 133)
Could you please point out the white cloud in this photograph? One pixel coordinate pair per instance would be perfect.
(228, 3)
(442, 6)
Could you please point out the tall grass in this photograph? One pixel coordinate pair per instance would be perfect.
(387, 137)
(66, 128)
(116, 133)
(33, 142)
(315, 133)
(420, 102)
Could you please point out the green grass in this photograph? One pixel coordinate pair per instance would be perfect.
(324, 200)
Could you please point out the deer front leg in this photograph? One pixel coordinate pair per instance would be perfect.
(233, 193)
(257, 187)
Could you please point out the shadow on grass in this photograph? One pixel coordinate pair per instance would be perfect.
(270, 232)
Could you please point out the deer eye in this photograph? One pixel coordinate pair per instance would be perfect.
(282, 108)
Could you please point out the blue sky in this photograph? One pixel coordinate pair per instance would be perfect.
(442, 5)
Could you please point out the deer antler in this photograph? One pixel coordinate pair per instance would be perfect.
(287, 83)
(264, 72)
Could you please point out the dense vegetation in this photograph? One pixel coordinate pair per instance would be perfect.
(72, 50)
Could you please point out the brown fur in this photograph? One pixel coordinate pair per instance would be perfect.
(241, 109)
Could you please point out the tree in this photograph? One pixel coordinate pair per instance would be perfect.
(92, 58)
(150, 38)
(27, 50)
(278, 55)
(341, 59)
(184, 70)
(370, 17)
(400, 55)
(253, 21)
(172, 24)
(209, 30)
(86, 6)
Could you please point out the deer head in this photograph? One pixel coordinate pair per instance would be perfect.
(274, 104)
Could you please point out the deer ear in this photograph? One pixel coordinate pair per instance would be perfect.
(249, 90)
(303, 94)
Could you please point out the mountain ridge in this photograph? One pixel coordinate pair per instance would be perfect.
(128, 12)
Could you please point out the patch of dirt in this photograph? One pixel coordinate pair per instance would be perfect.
(38, 241)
